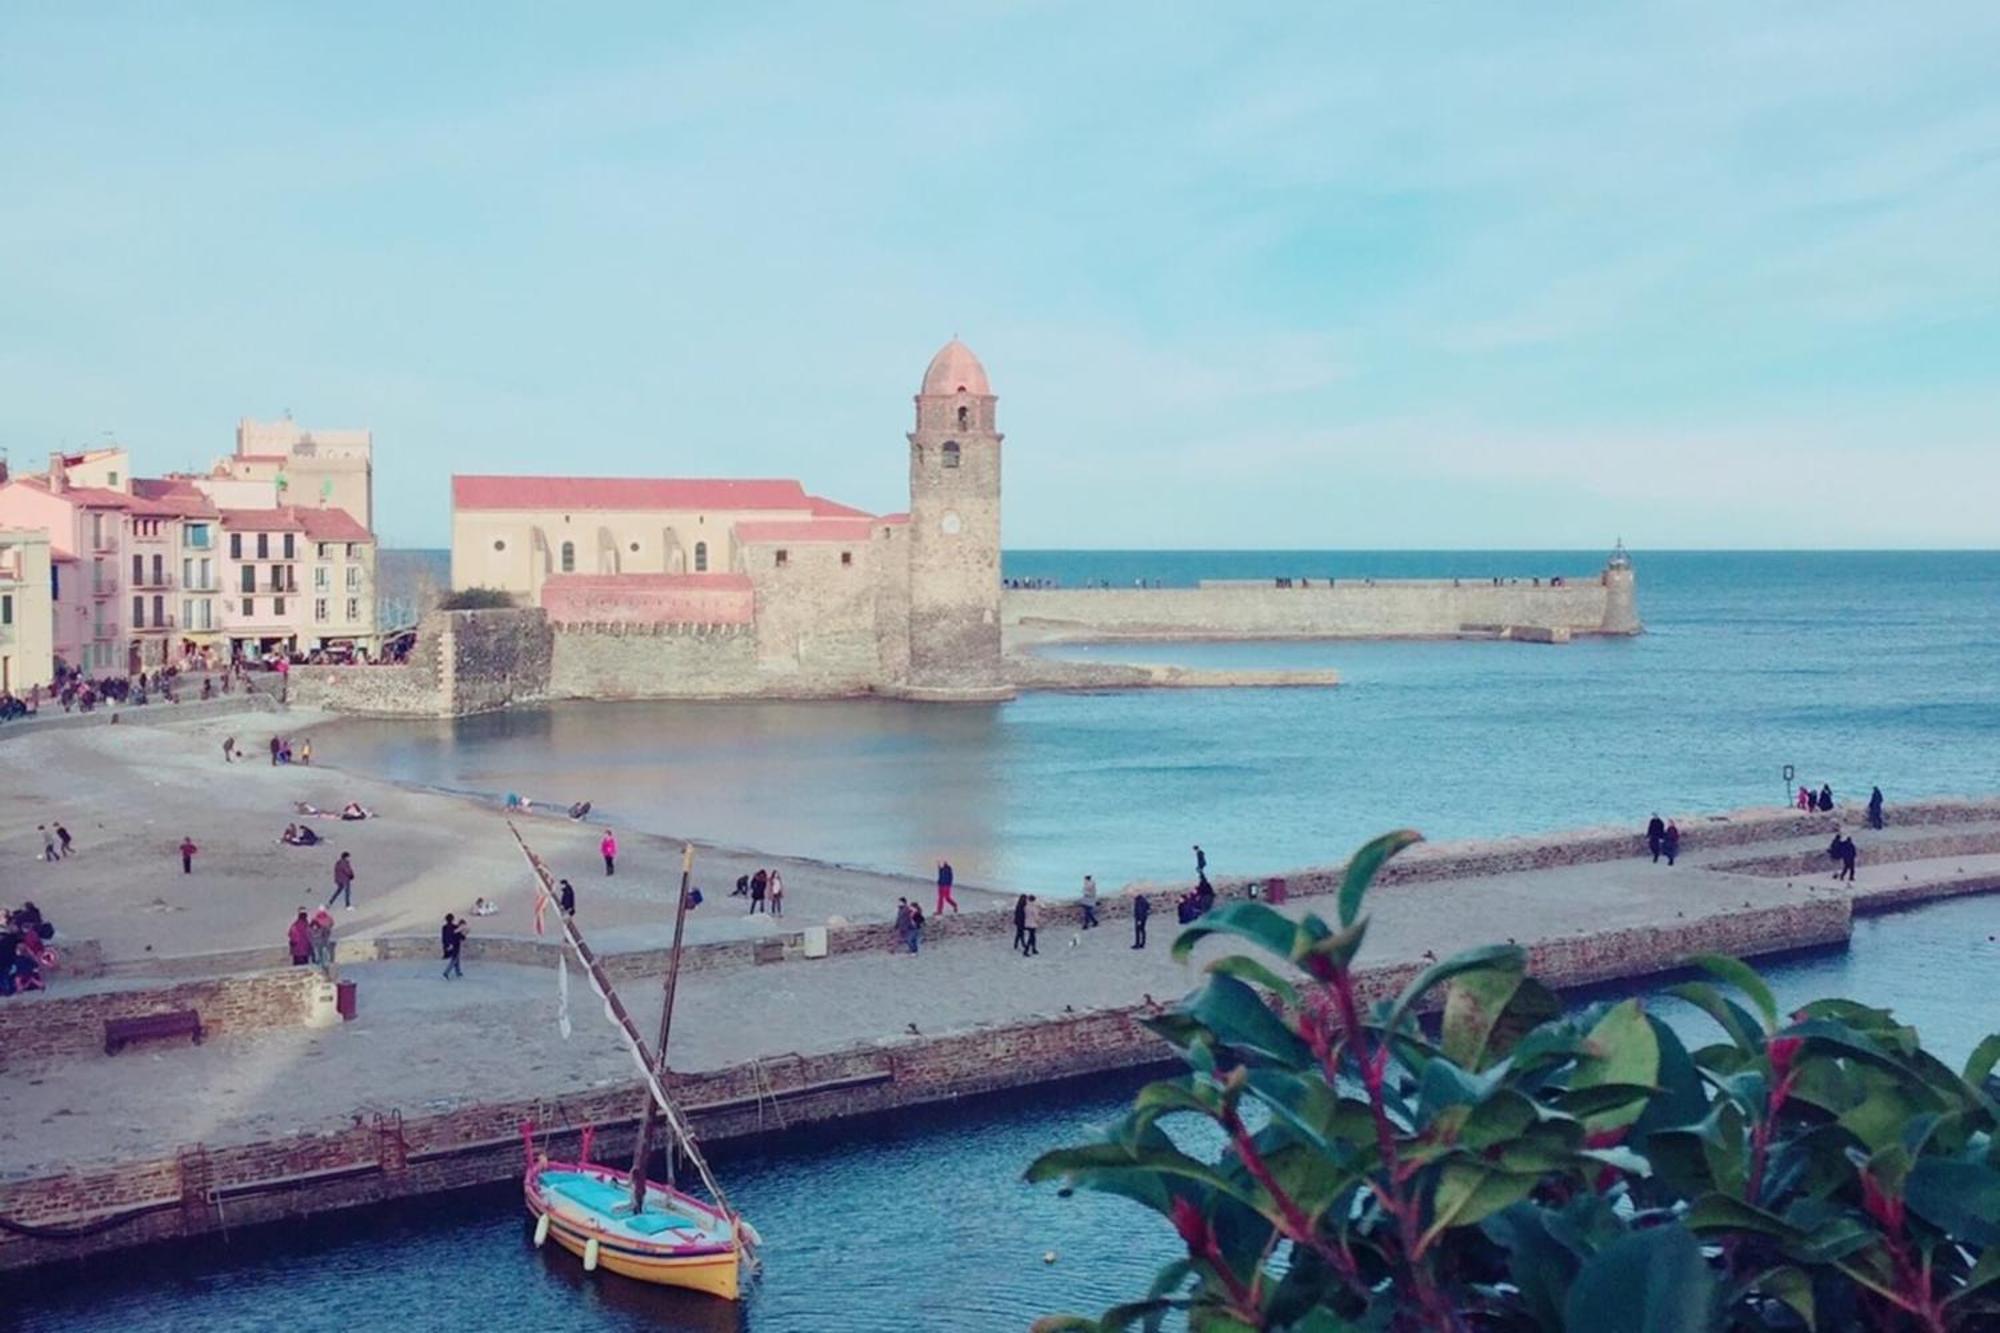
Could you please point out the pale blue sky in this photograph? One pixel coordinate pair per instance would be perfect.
(1470, 274)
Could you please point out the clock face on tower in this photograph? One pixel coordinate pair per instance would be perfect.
(950, 524)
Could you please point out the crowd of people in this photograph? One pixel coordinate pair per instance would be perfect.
(1663, 837)
(26, 953)
(766, 891)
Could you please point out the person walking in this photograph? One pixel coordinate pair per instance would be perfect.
(607, 848)
(1656, 830)
(1200, 864)
(760, 884)
(300, 939)
(188, 849)
(1089, 902)
(903, 922)
(1848, 853)
(228, 746)
(1021, 924)
(1031, 924)
(1670, 841)
(306, 751)
(62, 836)
(776, 893)
(1825, 796)
(915, 938)
(343, 882)
(451, 937)
(944, 898)
(276, 745)
(1875, 808)
(49, 852)
(1806, 801)
(1142, 908)
(566, 897)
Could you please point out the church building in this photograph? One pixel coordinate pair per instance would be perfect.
(725, 586)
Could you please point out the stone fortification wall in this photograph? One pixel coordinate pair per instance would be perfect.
(50, 1024)
(653, 662)
(462, 662)
(816, 604)
(1356, 609)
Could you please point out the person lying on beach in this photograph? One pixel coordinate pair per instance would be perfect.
(484, 907)
(353, 810)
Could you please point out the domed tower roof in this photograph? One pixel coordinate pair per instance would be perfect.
(955, 370)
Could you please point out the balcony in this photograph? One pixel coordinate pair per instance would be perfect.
(159, 626)
(104, 541)
(154, 579)
(105, 587)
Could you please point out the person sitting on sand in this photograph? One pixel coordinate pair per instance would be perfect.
(579, 810)
(483, 906)
(290, 837)
(305, 837)
(353, 810)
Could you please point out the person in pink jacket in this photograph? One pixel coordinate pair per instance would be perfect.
(608, 848)
(300, 938)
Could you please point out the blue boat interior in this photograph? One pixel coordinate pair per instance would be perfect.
(612, 1200)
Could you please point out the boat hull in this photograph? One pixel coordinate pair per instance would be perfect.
(704, 1265)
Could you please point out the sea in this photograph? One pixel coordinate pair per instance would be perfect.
(1853, 669)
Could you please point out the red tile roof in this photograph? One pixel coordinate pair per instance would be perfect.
(481, 492)
(91, 497)
(321, 525)
(806, 530)
(825, 508)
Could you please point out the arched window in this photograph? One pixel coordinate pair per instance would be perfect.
(701, 557)
(964, 417)
(569, 558)
(951, 453)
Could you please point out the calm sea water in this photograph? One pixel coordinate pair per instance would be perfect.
(1859, 668)
(919, 1222)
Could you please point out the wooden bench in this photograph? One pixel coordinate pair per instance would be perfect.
(122, 1032)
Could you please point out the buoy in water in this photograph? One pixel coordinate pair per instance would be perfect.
(541, 1231)
(1049, 1257)
(590, 1255)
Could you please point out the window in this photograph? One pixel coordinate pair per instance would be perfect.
(138, 569)
(951, 453)
(138, 613)
(197, 535)
(784, 558)
(235, 546)
(847, 557)
(277, 606)
(6, 608)
(964, 417)
(569, 557)
(249, 578)
(263, 546)
(701, 557)
(159, 570)
(499, 544)
(288, 546)
(635, 548)
(111, 480)
(322, 578)
(159, 610)
(325, 551)
(354, 550)
(354, 578)
(187, 613)
(319, 609)
(354, 608)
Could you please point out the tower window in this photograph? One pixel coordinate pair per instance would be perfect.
(569, 557)
(701, 557)
(964, 417)
(951, 453)
(784, 558)
(847, 557)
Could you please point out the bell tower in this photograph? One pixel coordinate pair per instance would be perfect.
(955, 533)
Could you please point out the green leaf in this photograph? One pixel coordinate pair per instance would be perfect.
(1730, 1016)
(1741, 975)
(1598, 1099)
(1652, 1281)
(1961, 1199)
(1265, 927)
(1501, 957)
(1622, 1049)
(1983, 1275)
(1791, 1286)
(1724, 1215)
(1473, 1004)
(1365, 864)
(1247, 969)
(1980, 1063)
(1469, 1192)
(1238, 1016)
(1083, 1165)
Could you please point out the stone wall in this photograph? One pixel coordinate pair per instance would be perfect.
(816, 604)
(50, 1025)
(463, 662)
(1412, 609)
(653, 662)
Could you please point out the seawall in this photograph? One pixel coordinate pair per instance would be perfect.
(1319, 609)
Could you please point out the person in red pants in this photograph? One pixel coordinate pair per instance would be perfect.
(944, 897)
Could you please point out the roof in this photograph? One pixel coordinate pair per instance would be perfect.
(93, 497)
(955, 370)
(171, 497)
(825, 508)
(490, 492)
(321, 525)
(806, 530)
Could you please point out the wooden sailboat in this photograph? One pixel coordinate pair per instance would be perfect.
(620, 1220)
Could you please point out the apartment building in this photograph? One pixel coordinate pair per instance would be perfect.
(297, 580)
(27, 655)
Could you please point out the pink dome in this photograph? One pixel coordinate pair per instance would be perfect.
(955, 370)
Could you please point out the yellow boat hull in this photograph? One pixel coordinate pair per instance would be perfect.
(714, 1268)
(713, 1274)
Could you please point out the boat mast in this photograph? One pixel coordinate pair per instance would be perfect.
(643, 1149)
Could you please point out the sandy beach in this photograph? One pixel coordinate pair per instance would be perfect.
(129, 793)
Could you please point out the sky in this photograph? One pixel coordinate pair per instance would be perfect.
(1316, 275)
